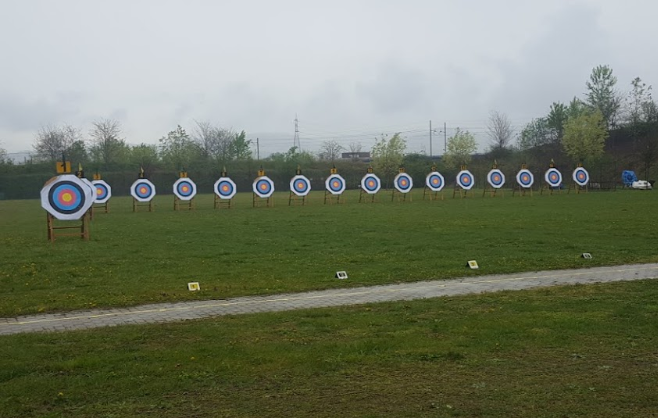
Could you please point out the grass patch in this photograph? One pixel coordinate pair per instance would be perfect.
(136, 258)
(578, 351)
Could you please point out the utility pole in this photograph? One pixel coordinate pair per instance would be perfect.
(296, 142)
(430, 138)
(257, 149)
(445, 138)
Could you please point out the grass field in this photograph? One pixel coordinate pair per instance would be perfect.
(135, 258)
(579, 351)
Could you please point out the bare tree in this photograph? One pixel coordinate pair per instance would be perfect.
(330, 150)
(107, 146)
(215, 143)
(52, 142)
(500, 131)
(355, 149)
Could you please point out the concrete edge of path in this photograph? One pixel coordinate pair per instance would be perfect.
(180, 311)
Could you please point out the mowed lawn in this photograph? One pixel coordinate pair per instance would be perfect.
(578, 351)
(144, 257)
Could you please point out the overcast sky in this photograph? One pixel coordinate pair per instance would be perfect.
(350, 70)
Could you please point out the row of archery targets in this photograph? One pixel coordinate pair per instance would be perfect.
(71, 197)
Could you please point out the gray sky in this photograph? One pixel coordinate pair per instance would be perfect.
(349, 69)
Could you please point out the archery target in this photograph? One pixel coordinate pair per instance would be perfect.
(184, 189)
(103, 191)
(335, 184)
(435, 181)
(403, 183)
(525, 178)
(300, 185)
(67, 197)
(142, 190)
(496, 178)
(465, 180)
(553, 177)
(581, 176)
(263, 187)
(370, 183)
(225, 188)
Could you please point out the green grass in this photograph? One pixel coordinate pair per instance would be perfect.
(135, 258)
(578, 351)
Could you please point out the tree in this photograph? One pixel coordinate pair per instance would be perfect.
(330, 150)
(557, 117)
(535, 134)
(4, 159)
(52, 142)
(461, 147)
(355, 149)
(78, 152)
(500, 133)
(144, 155)
(388, 154)
(241, 147)
(107, 147)
(178, 150)
(576, 108)
(584, 136)
(602, 95)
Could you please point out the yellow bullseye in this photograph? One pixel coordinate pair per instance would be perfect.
(67, 197)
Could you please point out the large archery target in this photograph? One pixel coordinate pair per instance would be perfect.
(225, 188)
(581, 176)
(142, 190)
(525, 178)
(496, 178)
(370, 183)
(553, 177)
(67, 197)
(103, 191)
(263, 187)
(435, 181)
(403, 183)
(184, 189)
(465, 180)
(335, 184)
(300, 185)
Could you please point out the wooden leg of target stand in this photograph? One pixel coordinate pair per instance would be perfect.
(84, 228)
(49, 223)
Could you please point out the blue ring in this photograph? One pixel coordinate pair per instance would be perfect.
(223, 183)
(183, 193)
(143, 195)
(259, 183)
(373, 178)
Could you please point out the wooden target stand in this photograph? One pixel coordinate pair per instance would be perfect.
(363, 195)
(293, 199)
(64, 167)
(186, 204)
(517, 188)
(432, 195)
(219, 202)
(577, 188)
(545, 187)
(329, 197)
(402, 197)
(458, 189)
(257, 201)
(488, 188)
(137, 204)
(103, 207)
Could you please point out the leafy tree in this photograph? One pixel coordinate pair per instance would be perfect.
(584, 136)
(241, 147)
(144, 155)
(107, 146)
(500, 133)
(51, 142)
(330, 150)
(178, 150)
(388, 154)
(4, 159)
(602, 95)
(576, 108)
(461, 147)
(78, 152)
(535, 134)
(557, 117)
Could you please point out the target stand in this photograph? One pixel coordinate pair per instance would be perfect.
(522, 191)
(495, 182)
(184, 191)
(580, 178)
(103, 194)
(187, 204)
(300, 186)
(334, 186)
(524, 182)
(142, 191)
(263, 189)
(294, 200)
(402, 185)
(224, 189)
(370, 185)
(137, 204)
(432, 195)
(552, 180)
(434, 183)
(83, 228)
(222, 203)
(463, 183)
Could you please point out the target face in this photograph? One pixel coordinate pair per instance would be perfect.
(300, 185)
(525, 178)
(370, 183)
(142, 190)
(434, 181)
(225, 188)
(403, 183)
(103, 191)
(67, 197)
(553, 177)
(335, 184)
(496, 178)
(581, 176)
(185, 189)
(263, 187)
(465, 180)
